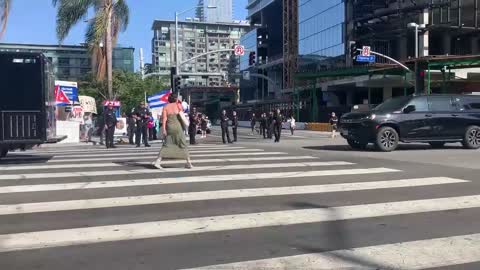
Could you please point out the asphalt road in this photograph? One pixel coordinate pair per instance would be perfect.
(308, 202)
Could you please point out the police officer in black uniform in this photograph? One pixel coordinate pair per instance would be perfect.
(277, 125)
(131, 128)
(234, 125)
(192, 126)
(141, 114)
(253, 121)
(110, 120)
(270, 125)
(263, 125)
(224, 124)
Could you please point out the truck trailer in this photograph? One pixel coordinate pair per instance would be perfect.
(27, 101)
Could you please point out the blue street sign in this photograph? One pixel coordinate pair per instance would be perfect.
(368, 59)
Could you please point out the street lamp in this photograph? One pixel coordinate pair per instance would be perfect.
(177, 62)
(416, 27)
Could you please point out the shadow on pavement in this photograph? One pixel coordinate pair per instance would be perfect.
(371, 148)
(24, 159)
(148, 166)
(335, 230)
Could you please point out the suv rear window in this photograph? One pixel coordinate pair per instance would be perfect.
(441, 104)
(471, 103)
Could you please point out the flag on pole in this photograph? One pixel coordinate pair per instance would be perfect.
(159, 99)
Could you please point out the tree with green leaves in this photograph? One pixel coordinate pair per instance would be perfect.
(4, 12)
(110, 18)
(130, 88)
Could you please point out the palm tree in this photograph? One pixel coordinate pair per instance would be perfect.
(4, 12)
(111, 17)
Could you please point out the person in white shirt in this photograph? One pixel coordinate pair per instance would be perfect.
(292, 124)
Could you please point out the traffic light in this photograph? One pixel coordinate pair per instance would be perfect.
(173, 72)
(354, 52)
(178, 83)
(252, 58)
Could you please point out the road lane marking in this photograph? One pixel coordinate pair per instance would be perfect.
(168, 228)
(191, 179)
(146, 155)
(54, 206)
(413, 255)
(155, 171)
(122, 149)
(111, 164)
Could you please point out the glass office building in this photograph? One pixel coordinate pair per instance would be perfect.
(249, 41)
(321, 28)
(72, 62)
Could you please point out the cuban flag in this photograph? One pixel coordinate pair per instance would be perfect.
(159, 100)
(61, 98)
(66, 93)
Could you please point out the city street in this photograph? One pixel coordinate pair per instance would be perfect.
(308, 202)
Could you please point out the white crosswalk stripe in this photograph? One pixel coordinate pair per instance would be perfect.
(239, 187)
(414, 255)
(79, 236)
(216, 195)
(111, 164)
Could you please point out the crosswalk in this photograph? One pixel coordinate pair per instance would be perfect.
(238, 208)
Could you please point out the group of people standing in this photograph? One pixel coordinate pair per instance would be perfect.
(224, 124)
(197, 120)
(271, 124)
(141, 124)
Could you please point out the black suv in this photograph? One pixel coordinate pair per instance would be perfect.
(433, 119)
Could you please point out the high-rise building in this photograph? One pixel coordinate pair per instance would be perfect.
(73, 62)
(194, 39)
(266, 40)
(215, 11)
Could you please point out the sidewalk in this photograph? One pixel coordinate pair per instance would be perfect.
(298, 133)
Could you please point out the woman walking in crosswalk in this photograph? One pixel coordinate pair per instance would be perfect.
(174, 143)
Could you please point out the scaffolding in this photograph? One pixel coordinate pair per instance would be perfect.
(290, 42)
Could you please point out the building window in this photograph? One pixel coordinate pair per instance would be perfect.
(63, 61)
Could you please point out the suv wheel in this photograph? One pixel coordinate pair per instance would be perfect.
(471, 139)
(357, 145)
(387, 139)
(437, 144)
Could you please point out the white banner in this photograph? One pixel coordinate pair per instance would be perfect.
(88, 104)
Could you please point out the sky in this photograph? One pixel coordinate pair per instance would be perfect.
(33, 21)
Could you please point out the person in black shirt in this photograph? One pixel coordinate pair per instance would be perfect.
(277, 125)
(141, 114)
(253, 121)
(263, 125)
(270, 125)
(192, 126)
(110, 120)
(224, 125)
(234, 125)
(131, 128)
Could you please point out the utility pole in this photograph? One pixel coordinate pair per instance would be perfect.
(142, 65)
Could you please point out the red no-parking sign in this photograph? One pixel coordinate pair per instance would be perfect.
(239, 50)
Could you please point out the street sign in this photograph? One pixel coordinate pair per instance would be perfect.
(246, 75)
(366, 51)
(366, 59)
(239, 50)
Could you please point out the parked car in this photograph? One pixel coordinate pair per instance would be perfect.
(433, 119)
